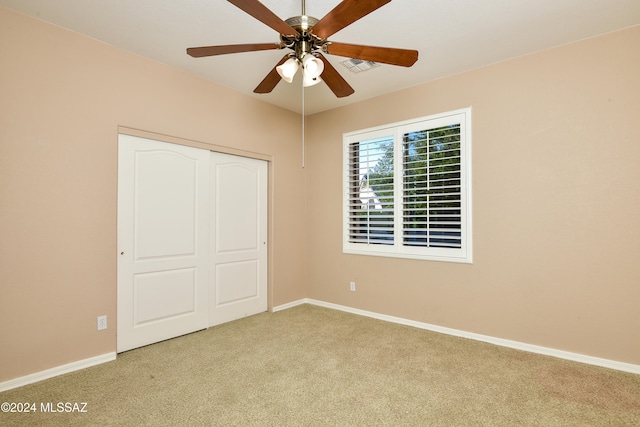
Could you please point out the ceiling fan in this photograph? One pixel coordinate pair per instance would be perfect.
(307, 38)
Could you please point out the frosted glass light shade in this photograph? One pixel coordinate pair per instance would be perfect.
(310, 81)
(288, 69)
(312, 66)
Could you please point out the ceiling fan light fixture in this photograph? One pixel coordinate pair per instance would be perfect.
(310, 81)
(312, 66)
(288, 69)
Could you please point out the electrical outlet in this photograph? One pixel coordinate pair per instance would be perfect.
(352, 286)
(102, 323)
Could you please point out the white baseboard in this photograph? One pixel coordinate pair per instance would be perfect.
(590, 360)
(290, 305)
(58, 370)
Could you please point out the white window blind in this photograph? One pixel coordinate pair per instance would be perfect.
(371, 200)
(431, 190)
(408, 189)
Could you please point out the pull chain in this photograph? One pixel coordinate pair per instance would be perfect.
(303, 14)
(303, 123)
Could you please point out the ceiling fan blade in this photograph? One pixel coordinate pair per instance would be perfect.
(385, 55)
(345, 13)
(199, 52)
(264, 15)
(334, 80)
(271, 79)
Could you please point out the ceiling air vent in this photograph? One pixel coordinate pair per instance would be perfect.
(358, 65)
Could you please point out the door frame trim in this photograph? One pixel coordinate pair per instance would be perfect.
(191, 143)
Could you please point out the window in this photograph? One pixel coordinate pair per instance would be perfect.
(407, 189)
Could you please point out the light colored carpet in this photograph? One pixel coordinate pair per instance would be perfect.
(312, 366)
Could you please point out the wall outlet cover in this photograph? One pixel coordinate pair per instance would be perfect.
(102, 323)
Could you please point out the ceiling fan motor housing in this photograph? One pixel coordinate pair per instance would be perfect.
(305, 41)
(303, 24)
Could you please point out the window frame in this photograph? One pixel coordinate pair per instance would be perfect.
(396, 131)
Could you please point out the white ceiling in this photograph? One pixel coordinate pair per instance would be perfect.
(452, 36)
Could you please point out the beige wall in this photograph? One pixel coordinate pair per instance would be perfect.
(62, 98)
(556, 203)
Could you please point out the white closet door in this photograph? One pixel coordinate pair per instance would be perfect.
(238, 237)
(163, 241)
